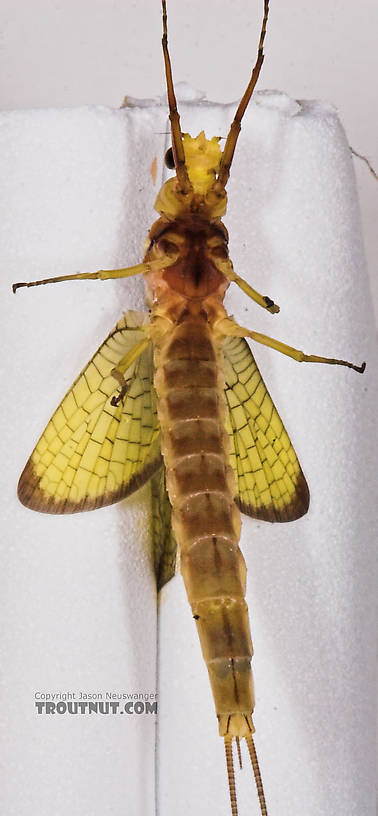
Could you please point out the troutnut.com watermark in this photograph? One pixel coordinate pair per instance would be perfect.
(95, 702)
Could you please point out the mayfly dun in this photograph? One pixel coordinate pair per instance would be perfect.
(179, 387)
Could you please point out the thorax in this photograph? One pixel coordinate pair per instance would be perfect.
(189, 282)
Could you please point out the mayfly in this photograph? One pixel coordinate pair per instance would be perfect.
(179, 386)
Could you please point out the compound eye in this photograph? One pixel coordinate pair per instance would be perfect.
(219, 251)
(169, 160)
(168, 247)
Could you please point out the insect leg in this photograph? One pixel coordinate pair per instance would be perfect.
(229, 327)
(119, 371)
(228, 271)
(101, 274)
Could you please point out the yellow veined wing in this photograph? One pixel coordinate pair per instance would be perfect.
(93, 453)
(164, 542)
(270, 482)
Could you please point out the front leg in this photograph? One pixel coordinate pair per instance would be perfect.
(227, 269)
(101, 274)
(124, 364)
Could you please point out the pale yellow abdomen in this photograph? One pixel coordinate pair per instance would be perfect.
(206, 521)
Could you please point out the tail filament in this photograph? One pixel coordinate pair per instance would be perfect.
(231, 774)
(257, 774)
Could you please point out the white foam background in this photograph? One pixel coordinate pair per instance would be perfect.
(79, 604)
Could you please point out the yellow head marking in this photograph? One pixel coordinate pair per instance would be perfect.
(202, 157)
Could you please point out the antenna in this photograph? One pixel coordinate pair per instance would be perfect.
(177, 145)
(229, 148)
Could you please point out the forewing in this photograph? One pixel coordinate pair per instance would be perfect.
(93, 453)
(270, 482)
(164, 542)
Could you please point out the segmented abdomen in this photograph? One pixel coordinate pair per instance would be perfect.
(206, 521)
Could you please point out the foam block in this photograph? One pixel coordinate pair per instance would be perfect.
(78, 591)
